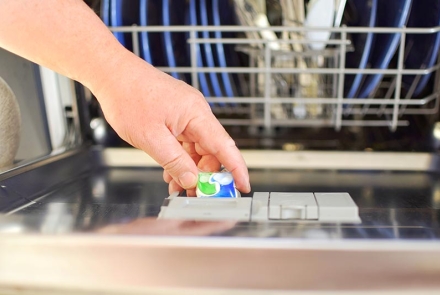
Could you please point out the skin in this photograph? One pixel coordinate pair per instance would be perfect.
(157, 227)
(166, 118)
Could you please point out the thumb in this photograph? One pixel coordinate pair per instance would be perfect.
(163, 147)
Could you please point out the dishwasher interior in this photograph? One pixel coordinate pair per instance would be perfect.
(311, 111)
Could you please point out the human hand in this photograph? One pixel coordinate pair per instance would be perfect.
(169, 120)
(168, 227)
(166, 118)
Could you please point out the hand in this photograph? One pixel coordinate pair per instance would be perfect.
(168, 227)
(166, 118)
(169, 120)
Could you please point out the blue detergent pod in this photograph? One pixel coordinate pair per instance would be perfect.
(216, 185)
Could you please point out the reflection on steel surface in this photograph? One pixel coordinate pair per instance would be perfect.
(113, 198)
(154, 227)
(104, 223)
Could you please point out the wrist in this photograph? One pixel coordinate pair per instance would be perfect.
(96, 74)
(118, 78)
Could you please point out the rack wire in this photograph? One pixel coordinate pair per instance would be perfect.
(273, 91)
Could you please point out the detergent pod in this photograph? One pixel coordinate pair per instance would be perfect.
(216, 185)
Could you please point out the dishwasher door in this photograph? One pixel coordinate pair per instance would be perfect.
(92, 226)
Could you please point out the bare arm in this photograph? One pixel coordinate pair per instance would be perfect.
(65, 36)
(165, 117)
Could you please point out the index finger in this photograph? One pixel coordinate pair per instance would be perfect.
(213, 139)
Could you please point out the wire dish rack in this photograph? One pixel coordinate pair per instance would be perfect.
(284, 82)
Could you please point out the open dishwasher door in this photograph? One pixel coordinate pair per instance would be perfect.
(103, 226)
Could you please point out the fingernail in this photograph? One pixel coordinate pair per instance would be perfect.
(249, 187)
(188, 180)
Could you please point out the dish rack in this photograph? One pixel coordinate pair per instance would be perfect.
(284, 87)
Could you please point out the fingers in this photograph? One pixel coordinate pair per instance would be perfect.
(191, 193)
(213, 139)
(208, 163)
(167, 177)
(190, 148)
(214, 146)
(173, 186)
(168, 152)
(205, 163)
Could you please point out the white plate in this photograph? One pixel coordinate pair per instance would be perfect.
(320, 13)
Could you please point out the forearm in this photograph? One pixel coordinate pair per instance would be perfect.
(63, 35)
(146, 107)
